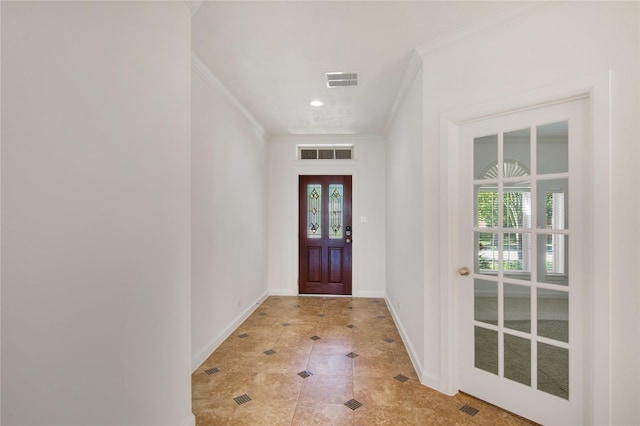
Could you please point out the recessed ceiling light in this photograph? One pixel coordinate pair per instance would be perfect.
(316, 103)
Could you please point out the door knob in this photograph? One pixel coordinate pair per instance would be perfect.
(464, 271)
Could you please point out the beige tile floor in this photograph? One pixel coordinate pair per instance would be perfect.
(315, 335)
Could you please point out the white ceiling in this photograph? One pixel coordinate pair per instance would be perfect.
(272, 55)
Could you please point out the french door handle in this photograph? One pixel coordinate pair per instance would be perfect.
(464, 271)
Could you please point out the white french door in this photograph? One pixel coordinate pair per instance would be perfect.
(523, 247)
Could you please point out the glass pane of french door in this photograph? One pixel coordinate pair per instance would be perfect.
(523, 195)
(521, 298)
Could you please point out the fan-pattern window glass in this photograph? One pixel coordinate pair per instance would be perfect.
(516, 212)
(336, 197)
(314, 213)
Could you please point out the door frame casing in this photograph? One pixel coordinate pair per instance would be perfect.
(324, 242)
(597, 90)
(314, 168)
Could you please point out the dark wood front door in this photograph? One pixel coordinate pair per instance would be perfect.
(325, 235)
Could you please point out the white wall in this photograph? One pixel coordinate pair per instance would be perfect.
(368, 172)
(228, 204)
(0, 217)
(406, 245)
(560, 42)
(95, 213)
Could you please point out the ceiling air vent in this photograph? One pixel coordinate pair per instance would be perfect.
(342, 79)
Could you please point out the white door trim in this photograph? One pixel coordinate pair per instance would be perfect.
(303, 168)
(597, 89)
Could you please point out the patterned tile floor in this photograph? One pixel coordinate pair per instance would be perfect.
(324, 361)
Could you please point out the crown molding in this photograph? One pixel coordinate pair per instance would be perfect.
(203, 71)
(410, 74)
(445, 41)
(193, 5)
(482, 25)
(324, 138)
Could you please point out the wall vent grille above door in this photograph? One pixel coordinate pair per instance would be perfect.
(325, 152)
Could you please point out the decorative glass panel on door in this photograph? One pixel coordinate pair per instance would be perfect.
(336, 196)
(314, 211)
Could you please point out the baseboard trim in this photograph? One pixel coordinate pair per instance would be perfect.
(190, 421)
(415, 360)
(282, 292)
(217, 341)
(290, 292)
(371, 294)
(435, 383)
(426, 378)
